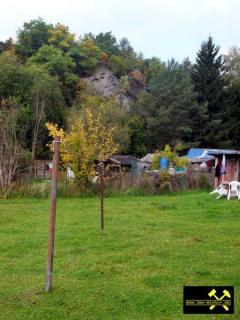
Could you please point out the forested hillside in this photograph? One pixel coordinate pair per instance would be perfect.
(49, 75)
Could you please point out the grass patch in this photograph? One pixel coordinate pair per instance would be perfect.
(135, 269)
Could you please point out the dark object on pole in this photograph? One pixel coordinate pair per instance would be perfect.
(101, 166)
(52, 221)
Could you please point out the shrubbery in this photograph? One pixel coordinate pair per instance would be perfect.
(124, 183)
(171, 156)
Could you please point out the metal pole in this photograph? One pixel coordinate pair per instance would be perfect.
(102, 193)
(52, 220)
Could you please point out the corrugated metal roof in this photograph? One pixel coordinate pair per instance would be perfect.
(223, 151)
(124, 160)
(202, 159)
(201, 152)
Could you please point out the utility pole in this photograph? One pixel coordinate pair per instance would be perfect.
(52, 220)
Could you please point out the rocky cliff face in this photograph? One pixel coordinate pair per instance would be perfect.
(105, 83)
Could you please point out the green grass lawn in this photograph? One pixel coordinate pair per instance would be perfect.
(134, 269)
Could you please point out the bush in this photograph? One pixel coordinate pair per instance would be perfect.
(118, 65)
(41, 189)
(154, 182)
(179, 182)
(205, 182)
(199, 179)
(32, 190)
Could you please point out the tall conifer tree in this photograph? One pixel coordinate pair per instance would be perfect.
(208, 79)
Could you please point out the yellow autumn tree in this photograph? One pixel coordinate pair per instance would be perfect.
(88, 140)
(61, 37)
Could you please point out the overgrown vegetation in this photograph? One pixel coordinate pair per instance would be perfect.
(171, 156)
(149, 183)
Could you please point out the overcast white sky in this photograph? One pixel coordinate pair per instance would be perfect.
(163, 28)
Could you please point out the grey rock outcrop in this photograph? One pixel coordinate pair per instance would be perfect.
(105, 83)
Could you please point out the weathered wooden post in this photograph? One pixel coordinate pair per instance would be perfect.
(52, 220)
(44, 169)
(102, 193)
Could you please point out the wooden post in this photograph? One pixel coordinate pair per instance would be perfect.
(102, 193)
(44, 169)
(66, 178)
(237, 170)
(35, 169)
(52, 220)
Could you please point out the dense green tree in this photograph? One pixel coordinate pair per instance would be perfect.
(32, 36)
(119, 65)
(208, 79)
(45, 101)
(122, 65)
(230, 132)
(137, 133)
(169, 109)
(153, 67)
(38, 96)
(13, 80)
(86, 55)
(54, 61)
(231, 117)
(107, 43)
(114, 115)
(9, 74)
(117, 116)
(170, 122)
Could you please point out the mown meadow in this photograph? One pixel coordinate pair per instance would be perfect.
(135, 269)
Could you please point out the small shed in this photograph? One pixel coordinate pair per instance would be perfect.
(228, 171)
(123, 160)
(43, 168)
(225, 163)
(119, 164)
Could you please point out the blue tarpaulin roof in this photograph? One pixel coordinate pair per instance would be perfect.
(195, 152)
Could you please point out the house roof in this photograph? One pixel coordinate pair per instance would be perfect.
(147, 158)
(209, 153)
(223, 151)
(201, 159)
(124, 160)
(195, 152)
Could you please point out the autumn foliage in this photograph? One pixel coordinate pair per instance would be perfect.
(87, 141)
